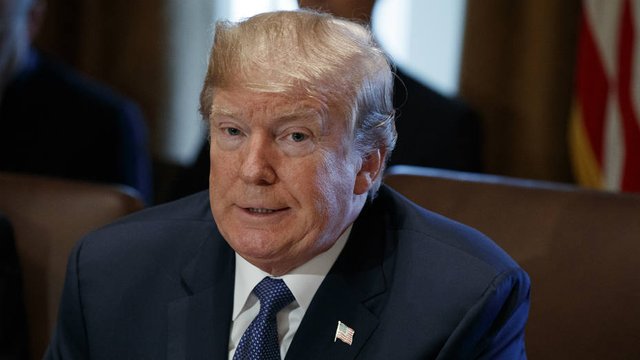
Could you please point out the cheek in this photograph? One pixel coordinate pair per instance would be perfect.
(222, 163)
(333, 185)
(222, 176)
(339, 170)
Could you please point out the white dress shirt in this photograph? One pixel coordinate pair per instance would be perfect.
(303, 282)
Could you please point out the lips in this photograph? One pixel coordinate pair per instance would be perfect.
(261, 210)
(261, 207)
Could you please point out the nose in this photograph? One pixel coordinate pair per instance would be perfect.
(257, 161)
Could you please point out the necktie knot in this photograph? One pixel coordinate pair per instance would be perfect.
(260, 340)
(273, 295)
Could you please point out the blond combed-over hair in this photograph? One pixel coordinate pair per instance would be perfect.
(310, 54)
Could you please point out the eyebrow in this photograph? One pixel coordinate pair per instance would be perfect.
(293, 113)
(217, 110)
(296, 113)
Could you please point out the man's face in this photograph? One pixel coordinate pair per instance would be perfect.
(285, 181)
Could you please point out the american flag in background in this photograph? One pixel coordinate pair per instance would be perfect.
(605, 123)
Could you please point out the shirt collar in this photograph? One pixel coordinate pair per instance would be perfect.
(303, 281)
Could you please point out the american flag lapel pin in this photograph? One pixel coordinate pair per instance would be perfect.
(344, 333)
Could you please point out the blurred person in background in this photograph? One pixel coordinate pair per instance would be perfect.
(56, 122)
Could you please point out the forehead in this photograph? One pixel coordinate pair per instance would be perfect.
(242, 102)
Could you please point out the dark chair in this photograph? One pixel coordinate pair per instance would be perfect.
(48, 216)
(580, 247)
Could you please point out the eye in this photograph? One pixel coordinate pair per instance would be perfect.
(297, 142)
(299, 137)
(232, 131)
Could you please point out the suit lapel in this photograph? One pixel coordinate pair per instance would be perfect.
(333, 302)
(353, 293)
(199, 323)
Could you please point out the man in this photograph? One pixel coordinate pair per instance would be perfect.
(54, 122)
(435, 130)
(293, 252)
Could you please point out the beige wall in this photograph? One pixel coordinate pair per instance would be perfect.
(517, 71)
(119, 42)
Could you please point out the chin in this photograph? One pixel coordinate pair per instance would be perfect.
(260, 247)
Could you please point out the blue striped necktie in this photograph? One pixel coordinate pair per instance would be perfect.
(260, 340)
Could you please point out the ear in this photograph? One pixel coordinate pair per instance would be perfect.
(369, 171)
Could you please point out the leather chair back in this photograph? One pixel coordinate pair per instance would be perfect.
(580, 247)
(49, 216)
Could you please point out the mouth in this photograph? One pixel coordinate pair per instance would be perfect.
(263, 211)
(260, 210)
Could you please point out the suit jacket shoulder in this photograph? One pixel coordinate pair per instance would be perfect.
(415, 285)
(144, 287)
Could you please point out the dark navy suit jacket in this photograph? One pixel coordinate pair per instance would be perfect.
(13, 320)
(410, 283)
